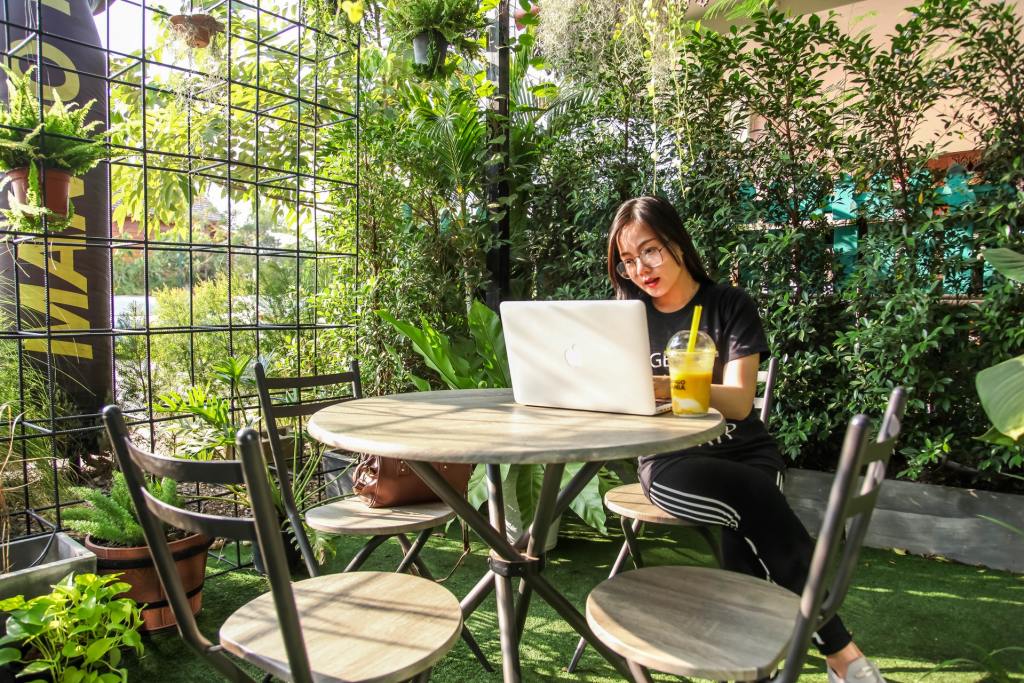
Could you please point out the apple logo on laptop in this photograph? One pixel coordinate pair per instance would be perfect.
(573, 357)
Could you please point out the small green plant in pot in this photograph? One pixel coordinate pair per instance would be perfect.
(113, 533)
(75, 633)
(431, 26)
(41, 149)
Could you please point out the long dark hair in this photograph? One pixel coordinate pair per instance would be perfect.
(661, 217)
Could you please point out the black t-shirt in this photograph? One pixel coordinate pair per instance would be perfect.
(729, 316)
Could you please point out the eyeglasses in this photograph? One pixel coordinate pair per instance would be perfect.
(649, 256)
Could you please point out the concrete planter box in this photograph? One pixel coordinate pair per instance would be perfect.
(65, 555)
(925, 519)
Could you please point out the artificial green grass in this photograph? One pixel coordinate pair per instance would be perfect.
(908, 613)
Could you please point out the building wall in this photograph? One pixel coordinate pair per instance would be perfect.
(879, 18)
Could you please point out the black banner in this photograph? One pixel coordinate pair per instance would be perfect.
(76, 282)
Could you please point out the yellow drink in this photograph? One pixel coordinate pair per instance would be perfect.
(690, 380)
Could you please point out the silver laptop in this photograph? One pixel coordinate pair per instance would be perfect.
(585, 355)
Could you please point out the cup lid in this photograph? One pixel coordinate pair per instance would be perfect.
(680, 341)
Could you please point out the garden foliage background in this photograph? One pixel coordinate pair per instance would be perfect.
(863, 259)
(614, 99)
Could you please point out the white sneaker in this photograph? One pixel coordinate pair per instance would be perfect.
(861, 670)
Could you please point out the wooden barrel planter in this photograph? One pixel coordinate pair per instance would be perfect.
(137, 569)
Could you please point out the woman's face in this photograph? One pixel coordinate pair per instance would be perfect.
(637, 242)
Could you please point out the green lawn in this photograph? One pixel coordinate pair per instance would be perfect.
(908, 613)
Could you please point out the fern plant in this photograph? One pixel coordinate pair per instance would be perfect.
(59, 137)
(110, 518)
(459, 21)
(19, 121)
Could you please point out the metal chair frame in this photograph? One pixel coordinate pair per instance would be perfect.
(852, 499)
(271, 412)
(261, 529)
(632, 528)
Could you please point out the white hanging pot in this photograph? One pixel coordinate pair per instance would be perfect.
(421, 48)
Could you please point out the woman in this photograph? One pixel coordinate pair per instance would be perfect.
(734, 482)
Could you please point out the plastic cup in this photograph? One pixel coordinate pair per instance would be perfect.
(690, 373)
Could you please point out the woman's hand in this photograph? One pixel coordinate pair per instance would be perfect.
(661, 386)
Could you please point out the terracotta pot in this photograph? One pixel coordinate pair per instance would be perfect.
(136, 568)
(196, 30)
(55, 183)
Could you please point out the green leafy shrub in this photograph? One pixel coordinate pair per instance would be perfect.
(110, 517)
(75, 634)
(665, 106)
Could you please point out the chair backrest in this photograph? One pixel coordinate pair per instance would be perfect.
(262, 529)
(847, 516)
(272, 412)
(766, 378)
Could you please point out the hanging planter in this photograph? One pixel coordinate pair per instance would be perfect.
(195, 30)
(429, 51)
(55, 184)
(432, 26)
(41, 148)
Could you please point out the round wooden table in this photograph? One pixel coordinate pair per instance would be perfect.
(488, 426)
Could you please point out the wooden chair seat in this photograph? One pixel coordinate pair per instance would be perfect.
(695, 621)
(352, 516)
(629, 501)
(362, 626)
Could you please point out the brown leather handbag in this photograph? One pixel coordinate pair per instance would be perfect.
(389, 482)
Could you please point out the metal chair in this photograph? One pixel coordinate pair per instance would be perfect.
(635, 509)
(366, 626)
(349, 516)
(711, 623)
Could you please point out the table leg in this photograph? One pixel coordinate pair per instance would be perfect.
(477, 594)
(510, 664)
(567, 495)
(495, 538)
(571, 615)
(538, 535)
(467, 512)
(616, 568)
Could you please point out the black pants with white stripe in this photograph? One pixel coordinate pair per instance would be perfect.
(761, 535)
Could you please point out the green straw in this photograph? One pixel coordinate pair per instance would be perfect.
(692, 345)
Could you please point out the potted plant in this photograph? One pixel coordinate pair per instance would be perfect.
(195, 30)
(113, 533)
(74, 633)
(431, 26)
(30, 566)
(43, 149)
